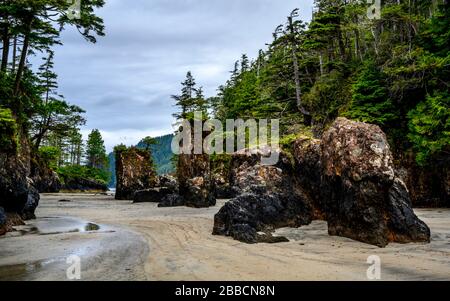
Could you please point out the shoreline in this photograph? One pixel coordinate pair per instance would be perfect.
(143, 242)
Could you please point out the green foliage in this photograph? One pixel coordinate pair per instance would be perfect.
(120, 148)
(327, 97)
(70, 172)
(50, 155)
(392, 71)
(370, 98)
(95, 151)
(8, 131)
(191, 99)
(430, 127)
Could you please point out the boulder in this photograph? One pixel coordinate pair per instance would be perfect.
(172, 200)
(134, 172)
(253, 216)
(153, 195)
(168, 182)
(83, 185)
(363, 198)
(196, 185)
(267, 198)
(32, 202)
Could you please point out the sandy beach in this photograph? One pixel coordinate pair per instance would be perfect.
(118, 240)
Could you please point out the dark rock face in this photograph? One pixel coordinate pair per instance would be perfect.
(196, 184)
(31, 204)
(251, 217)
(364, 200)
(168, 182)
(153, 195)
(268, 198)
(171, 200)
(308, 173)
(45, 180)
(13, 182)
(134, 172)
(404, 224)
(84, 185)
(429, 187)
(18, 197)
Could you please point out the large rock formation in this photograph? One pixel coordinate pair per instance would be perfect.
(18, 197)
(195, 180)
(134, 172)
(267, 198)
(253, 216)
(347, 179)
(364, 200)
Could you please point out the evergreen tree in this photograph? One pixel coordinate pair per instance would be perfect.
(95, 151)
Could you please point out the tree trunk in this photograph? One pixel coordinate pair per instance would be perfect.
(298, 88)
(5, 52)
(14, 54)
(23, 58)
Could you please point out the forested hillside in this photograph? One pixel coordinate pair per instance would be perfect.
(393, 72)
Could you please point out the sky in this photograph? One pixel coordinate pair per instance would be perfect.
(125, 80)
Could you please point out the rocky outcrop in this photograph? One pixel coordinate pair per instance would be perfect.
(267, 198)
(32, 202)
(172, 200)
(195, 180)
(8, 221)
(18, 197)
(253, 216)
(134, 172)
(83, 185)
(44, 178)
(308, 173)
(363, 198)
(221, 169)
(347, 179)
(169, 182)
(14, 185)
(429, 186)
(152, 195)
(247, 170)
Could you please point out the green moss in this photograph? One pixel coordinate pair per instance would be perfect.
(8, 131)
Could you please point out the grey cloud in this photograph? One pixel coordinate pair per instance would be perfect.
(126, 79)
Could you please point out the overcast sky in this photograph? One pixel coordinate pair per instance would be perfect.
(124, 82)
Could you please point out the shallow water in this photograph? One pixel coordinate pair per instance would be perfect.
(56, 225)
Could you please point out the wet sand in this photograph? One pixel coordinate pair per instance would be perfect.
(125, 241)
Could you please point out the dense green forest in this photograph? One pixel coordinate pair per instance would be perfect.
(35, 119)
(392, 71)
